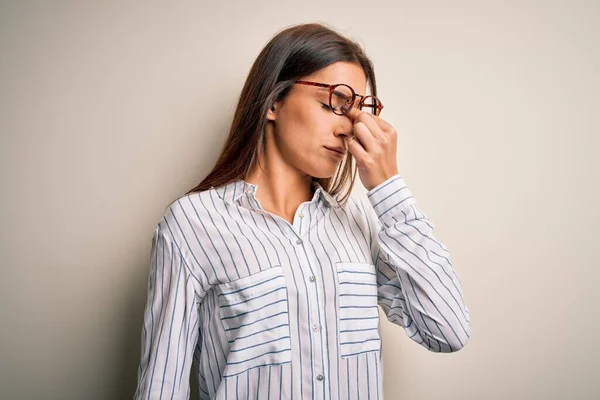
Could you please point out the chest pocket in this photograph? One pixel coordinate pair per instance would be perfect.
(254, 312)
(359, 311)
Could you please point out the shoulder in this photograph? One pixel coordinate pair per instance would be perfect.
(182, 217)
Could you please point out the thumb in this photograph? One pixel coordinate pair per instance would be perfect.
(353, 113)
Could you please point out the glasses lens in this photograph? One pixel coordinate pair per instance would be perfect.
(342, 99)
(372, 105)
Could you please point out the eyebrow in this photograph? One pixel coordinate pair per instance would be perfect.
(335, 91)
(340, 94)
(325, 90)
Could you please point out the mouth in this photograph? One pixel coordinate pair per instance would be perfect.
(336, 152)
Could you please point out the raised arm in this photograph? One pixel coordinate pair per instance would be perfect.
(417, 287)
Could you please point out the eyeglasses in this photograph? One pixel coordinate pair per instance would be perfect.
(342, 98)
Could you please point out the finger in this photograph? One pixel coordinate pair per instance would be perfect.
(357, 116)
(373, 124)
(374, 128)
(364, 135)
(383, 124)
(357, 150)
(353, 113)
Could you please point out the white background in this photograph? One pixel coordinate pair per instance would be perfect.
(111, 109)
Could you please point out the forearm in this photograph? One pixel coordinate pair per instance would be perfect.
(416, 273)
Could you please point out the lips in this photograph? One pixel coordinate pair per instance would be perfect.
(338, 150)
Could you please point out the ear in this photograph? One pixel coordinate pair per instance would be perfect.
(272, 113)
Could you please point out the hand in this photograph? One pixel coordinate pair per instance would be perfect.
(374, 148)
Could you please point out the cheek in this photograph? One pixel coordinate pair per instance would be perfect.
(317, 123)
(305, 130)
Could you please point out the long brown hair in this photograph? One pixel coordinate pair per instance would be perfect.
(293, 53)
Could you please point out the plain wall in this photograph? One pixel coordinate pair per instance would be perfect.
(111, 109)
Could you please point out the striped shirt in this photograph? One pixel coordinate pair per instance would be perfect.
(265, 309)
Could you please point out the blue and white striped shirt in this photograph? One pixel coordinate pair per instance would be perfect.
(265, 309)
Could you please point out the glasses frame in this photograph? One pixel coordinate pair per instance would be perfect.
(376, 107)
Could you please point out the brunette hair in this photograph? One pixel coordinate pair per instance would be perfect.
(293, 53)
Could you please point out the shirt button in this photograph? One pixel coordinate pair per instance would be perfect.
(298, 241)
(301, 215)
(315, 328)
(320, 377)
(312, 278)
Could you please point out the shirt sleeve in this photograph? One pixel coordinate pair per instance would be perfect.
(170, 328)
(418, 288)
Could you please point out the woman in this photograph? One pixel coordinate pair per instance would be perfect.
(266, 280)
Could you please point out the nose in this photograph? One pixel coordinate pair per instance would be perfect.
(344, 135)
(345, 129)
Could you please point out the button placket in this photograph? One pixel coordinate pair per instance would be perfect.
(318, 318)
(298, 222)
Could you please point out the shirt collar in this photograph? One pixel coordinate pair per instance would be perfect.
(232, 191)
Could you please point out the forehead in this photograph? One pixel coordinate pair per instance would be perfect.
(342, 72)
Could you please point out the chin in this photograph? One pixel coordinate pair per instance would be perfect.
(317, 167)
(323, 171)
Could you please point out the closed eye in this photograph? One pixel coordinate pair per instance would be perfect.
(325, 106)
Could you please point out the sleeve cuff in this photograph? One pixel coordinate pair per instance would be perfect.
(390, 197)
